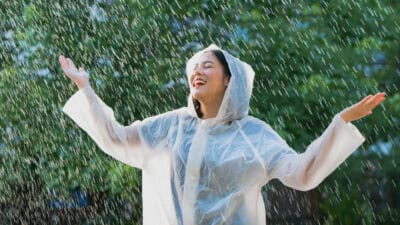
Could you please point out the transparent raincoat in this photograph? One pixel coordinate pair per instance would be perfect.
(211, 171)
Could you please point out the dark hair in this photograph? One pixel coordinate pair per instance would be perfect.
(221, 58)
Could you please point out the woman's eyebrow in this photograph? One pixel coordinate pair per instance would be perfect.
(208, 61)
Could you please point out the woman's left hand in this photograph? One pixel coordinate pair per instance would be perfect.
(362, 108)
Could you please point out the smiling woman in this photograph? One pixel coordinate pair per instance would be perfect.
(209, 80)
(206, 163)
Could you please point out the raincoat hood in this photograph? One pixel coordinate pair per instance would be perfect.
(235, 103)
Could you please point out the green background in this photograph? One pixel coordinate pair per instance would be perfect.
(312, 59)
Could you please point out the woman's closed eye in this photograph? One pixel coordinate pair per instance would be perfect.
(206, 66)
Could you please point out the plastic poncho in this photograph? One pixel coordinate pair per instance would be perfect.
(211, 171)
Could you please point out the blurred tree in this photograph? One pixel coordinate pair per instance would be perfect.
(312, 59)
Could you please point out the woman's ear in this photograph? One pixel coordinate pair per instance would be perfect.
(226, 80)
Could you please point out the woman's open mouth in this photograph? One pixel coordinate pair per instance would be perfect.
(198, 83)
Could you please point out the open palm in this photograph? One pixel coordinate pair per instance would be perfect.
(363, 108)
(79, 77)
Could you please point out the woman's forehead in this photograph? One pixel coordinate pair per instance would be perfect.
(200, 57)
(205, 56)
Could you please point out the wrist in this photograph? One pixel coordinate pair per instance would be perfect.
(82, 85)
(345, 117)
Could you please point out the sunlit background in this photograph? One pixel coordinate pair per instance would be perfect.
(312, 59)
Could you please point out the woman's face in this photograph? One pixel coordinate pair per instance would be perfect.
(208, 81)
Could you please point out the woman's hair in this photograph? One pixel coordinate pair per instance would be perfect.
(221, 58)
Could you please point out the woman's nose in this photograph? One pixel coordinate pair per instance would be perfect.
(196, 70)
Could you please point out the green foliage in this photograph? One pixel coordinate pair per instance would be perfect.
(312, 59)
(364, 190)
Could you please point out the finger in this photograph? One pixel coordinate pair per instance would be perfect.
(366, 99)
(371, 101)
(380, 94)
(71, 63)
(377, 101)
(63, 62)
(374, 99)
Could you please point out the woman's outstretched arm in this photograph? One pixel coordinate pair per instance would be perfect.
(307, 170)
(97, 119)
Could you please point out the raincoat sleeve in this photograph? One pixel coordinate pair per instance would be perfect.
(307, 170)
(128, 144)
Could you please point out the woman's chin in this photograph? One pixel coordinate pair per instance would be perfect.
(198, 94)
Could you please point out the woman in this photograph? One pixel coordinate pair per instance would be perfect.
(206, 163)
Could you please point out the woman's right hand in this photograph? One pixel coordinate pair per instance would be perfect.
(79, 77)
